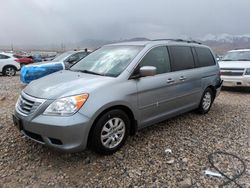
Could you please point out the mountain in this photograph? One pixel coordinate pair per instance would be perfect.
(227, 38)
(224, 42)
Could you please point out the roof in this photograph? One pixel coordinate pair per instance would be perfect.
(158, 42)
(8, 54)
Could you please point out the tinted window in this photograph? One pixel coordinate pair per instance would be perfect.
(205, 57)
(4, 56)
(157, 57)
(181, 58)
(62, 56)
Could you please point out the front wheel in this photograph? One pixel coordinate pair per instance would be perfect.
(110, 132)
(206, 101)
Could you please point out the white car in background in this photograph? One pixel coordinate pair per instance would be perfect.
(8, 64)
(235, 68)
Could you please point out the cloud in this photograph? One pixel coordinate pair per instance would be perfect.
(51, 22)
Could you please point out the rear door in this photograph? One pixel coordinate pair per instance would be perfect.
(3, 61)
(187, 82)
(207, 69)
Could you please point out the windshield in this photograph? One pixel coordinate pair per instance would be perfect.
(237, 56)
(62, 56)
(108, 60)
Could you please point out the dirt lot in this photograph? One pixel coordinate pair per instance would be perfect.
(142, 162)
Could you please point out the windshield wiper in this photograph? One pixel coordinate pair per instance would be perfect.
(88, 72)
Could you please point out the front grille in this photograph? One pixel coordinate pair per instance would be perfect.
(27, 104)
(232, 71)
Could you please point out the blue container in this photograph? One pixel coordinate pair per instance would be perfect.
(33, 72)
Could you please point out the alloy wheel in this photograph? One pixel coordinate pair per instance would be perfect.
(10, 71)
(113, 132)
(207, 100)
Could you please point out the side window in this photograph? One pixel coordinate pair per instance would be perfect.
(72, 58)
(181, 58)
(205, 57)
(81, 55)
(4, 56)
(159, 58)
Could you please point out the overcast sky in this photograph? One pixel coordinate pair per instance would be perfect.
(56, 21)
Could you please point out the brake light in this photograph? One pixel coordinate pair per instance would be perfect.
(219, 73)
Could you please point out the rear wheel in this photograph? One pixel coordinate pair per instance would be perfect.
(9, 71)
(110, 132)
(206, 101)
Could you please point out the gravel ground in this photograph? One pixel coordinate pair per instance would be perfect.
(142, 162)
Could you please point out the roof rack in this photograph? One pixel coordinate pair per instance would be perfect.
(179, 40)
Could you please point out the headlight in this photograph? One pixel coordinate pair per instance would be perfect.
(247, 71)
(66, 106)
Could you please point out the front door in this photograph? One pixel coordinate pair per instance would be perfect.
(151, 88)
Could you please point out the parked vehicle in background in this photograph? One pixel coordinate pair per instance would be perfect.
(24, 60)
(37, 58)
(117, 90)
(71, 57)
(63, 61)
(235, 68)
(49, 58)
(8, 64)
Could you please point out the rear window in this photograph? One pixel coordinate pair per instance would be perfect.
(205, 57)
(181, 58)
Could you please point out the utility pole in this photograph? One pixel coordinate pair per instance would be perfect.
(12, 48)
(63, 47)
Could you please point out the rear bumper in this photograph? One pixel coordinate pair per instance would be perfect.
(218, 88)
(236, 81)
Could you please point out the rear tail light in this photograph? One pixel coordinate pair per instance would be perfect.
(219, 73)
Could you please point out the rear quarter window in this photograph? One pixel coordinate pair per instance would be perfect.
(4, 56)
(204, 57)
(181, 58)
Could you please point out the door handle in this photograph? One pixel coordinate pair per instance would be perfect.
(170, 80)
(182, 78)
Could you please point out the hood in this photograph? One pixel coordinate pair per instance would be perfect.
(234, 64)
(65, 83)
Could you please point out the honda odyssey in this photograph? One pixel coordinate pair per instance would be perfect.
(115, 91)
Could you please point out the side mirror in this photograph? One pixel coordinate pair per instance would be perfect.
(147, 71)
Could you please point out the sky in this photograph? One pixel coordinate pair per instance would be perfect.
(26, 22)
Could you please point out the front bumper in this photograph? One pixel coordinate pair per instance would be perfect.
(68, 134)
(236, 81)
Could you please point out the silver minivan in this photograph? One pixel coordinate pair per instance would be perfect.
(115, 91)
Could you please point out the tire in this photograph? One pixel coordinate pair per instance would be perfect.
(206, 101)
(9, 71)
(106, 140)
